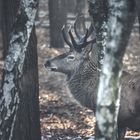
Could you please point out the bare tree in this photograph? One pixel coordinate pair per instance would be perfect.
(0, 13)
(57, 16)
(138, 11)
(1, 48)
(80, 6)
(8, 13)
(118, 24)
(71, 5)
(19, 110)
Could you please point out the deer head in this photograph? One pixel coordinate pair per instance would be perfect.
(79, 51)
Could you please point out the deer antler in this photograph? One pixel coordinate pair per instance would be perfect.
(83, 40)
(65, 37)
(78, 36)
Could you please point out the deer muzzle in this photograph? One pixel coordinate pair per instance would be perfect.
(50, 66)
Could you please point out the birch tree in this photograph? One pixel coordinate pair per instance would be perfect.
(13, 78)
(113, 22)
(98, 10)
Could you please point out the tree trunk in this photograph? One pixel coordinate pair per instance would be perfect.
(9, 11)
(121, 17)
(57, 16)
(70, 5)
(98, 9)
(138, 11)
(19, 108)
(1, 44)
(0, 13)
(80, 7)
(28, 124)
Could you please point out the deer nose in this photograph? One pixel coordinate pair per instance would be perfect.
(47, 64)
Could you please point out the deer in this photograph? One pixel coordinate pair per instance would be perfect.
(81, 69)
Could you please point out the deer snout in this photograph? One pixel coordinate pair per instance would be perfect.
(47, 64)
(50, 66)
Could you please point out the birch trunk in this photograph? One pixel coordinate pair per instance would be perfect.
(98, 9)
(13, 67)
(119, 25)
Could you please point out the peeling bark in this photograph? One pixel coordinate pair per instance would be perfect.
(27, 125)
(98, 9)
(13, 67)
(8, 12)
(119, 25)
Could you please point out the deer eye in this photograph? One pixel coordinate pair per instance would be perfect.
(71, 57)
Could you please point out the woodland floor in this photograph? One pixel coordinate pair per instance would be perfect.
(61, 117)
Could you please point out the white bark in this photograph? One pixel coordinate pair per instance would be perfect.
(108, 95)
(13, 67)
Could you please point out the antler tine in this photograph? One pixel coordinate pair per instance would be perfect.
(84, 39)
(78, 36)
(86, 35)
(72, 38)
(90, 30)
(91, 41)
(65, 37)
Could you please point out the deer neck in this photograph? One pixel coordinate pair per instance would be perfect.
(84, 84)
